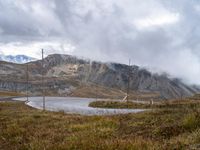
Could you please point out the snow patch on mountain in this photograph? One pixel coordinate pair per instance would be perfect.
(20, 59)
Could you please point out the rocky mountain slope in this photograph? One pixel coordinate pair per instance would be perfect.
(65, 75)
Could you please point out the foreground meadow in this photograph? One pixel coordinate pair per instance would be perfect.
(175, 126)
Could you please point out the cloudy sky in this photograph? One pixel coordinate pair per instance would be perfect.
(163, 35)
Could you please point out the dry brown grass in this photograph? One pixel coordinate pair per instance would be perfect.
(7, 93)
(110, 93)
(170, 104)
(22, 127)
(97, 91)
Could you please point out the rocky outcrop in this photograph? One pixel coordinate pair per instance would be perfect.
(63, 73)
(116, 75)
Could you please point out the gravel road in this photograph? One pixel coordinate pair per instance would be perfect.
(74, 105)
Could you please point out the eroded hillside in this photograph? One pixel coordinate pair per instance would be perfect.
(66, 75)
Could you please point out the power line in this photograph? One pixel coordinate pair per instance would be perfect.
(129, 75)
(27, 82)
(43, 88)
(96, 90)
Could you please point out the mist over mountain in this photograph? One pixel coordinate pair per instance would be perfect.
(20, 59)
(66, 74)
(155, 33)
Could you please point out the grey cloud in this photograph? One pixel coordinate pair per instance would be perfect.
(105, 30)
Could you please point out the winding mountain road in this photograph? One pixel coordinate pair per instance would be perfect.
(74, 105)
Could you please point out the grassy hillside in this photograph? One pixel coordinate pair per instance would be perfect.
(147, 105)
(22, 127)
(97, 91)
(92, 90)
(6, 93)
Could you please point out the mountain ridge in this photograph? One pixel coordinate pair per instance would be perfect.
(116, 75)
(65, 73)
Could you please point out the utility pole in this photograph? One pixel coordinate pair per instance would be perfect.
(128, 87)
(43, 90)
(96, 90)
(27, 82)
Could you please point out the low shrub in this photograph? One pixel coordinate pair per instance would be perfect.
(191, 121)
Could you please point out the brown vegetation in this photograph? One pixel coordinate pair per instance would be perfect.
(7, 93)
(170, 104)
(22, 127)
(97, 91)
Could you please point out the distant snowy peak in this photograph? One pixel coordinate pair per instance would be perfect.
(20, 59)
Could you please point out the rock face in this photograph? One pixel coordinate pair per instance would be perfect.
(65, 73)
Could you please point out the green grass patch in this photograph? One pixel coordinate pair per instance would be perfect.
(191, 121)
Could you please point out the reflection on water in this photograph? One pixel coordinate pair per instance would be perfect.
(74, 105)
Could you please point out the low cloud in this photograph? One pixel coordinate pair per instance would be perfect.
(155, 33)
